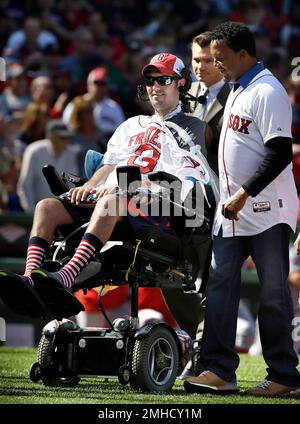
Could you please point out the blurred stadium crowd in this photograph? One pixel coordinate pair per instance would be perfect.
(51, 46)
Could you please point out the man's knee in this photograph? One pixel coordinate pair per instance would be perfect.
(52, 212)
(46, 205)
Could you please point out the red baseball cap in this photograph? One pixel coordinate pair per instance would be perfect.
(166, 63)
(98, 74)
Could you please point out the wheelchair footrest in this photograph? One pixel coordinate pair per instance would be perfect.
(59, 301)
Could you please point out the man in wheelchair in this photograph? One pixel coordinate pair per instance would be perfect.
(160, 147)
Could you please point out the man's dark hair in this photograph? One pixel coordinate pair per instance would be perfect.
(237, 37)
(203, 39)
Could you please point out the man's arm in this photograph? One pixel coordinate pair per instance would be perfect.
(279, 155)
(100, 176)
(78, 194)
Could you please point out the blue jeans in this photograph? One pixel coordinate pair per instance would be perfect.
(270, 253)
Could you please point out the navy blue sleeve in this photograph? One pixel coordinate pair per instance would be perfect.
(279, 155)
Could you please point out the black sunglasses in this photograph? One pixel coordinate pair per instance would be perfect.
(161, 80)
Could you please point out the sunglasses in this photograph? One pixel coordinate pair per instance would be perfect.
(161, 80)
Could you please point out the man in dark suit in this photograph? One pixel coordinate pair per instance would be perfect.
(212, 92)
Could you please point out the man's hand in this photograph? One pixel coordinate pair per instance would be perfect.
(297, 245)
(79, 194)
(234, 204)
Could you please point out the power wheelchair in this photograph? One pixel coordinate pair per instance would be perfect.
(148, 358)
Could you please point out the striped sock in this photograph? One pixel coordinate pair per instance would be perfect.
(83, 255)
(36, 252)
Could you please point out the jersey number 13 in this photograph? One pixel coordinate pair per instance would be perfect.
(145, 157)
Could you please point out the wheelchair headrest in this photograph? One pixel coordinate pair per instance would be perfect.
(129, 178)
(163, 176)
(164, 179)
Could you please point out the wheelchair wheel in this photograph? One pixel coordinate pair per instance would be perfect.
(44, 359)
(155, 361)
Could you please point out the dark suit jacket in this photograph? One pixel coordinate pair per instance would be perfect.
(214, 118)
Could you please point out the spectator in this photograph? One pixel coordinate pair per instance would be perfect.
(277, 60)
(108, 114)
(44, 62)
(12, 149)
(86, 134)
(24, 42)
(290, 32)
(293, 88)
(42, 90)
(6, 171)
(34, 123)
(83, 58)
(256, 15)
(263, 41)
(55, 150)
(15, 97)
(9, 136)
(107, 46)
(82, 121)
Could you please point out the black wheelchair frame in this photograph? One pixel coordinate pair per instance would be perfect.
(150, 357)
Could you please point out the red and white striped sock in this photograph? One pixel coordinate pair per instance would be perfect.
(88, 246)
(36, 252)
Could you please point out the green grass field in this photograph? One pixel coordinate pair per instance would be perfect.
(17, 388)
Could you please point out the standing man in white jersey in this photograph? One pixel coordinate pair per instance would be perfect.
(256, 216)
(161, 142)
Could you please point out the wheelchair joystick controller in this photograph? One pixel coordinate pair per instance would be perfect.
(91, 198)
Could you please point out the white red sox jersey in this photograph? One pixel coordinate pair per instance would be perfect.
(252, 116)
(156, 144)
